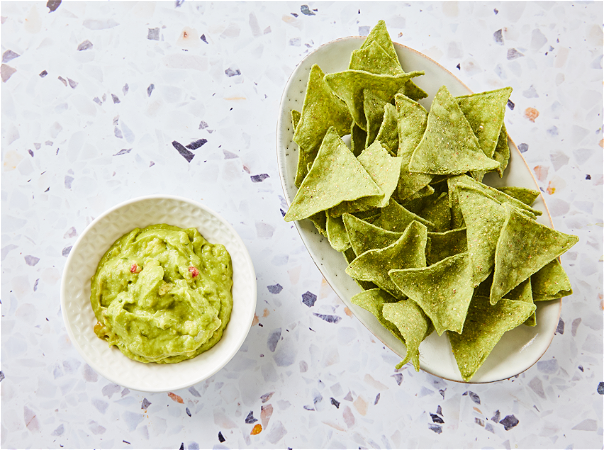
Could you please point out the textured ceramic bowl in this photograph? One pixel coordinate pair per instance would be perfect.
(81, 266)
(520, 348)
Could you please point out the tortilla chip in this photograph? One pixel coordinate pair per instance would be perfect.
(412, 324)
(365, 236)
(502, 151)
(550, 282)
(449, 145)
(358, 137)
(350, 256)
(373, 107)
(443, 290)
(445, 244)
(484, 218)
(524, 247)
(408, 251)
(384, 170)
(319, 220)
(396, 218)
(525, 195)
(388, 132)
(484, 327)
(322, 109)
(523, 292)
(350, 84)
(335, 176)
(295, 118)
(373, 58)
(336, 234)
(438, 212)
(485, 112)
(373, 300)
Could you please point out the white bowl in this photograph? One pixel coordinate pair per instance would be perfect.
(520, 348)
(81, 266)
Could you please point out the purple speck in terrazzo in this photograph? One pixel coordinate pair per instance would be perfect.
(294, 14)
(304, 9)
(282, 212)
(308, 408)
(125, 442)
(150, 89)
(514, 54)
(123, 151)
(194, 392)
(188, 412)
(58, 431)
(523, 148)
(221, 437)
(581, 368)
(511, 105)
(329, 318)
(250, 418)
(2, 376)
(295, 42)
(31, 260)
(53, 5)
(309, 299)
(62, 80)
(31, 153)
(97, 101)
(475, 398)
(110, 389)
(85, 45)
(275, 288)
(36, 286)
(364, 31)
(498, 36)
(442, 392)
(335, 403)
(458, 66)
(232, 73)
(588, 177)
(186, 154)
(66, 251)
(151, 163)
(531, 92)
(266, 397)
(549, 367)
(125, 89)
(436, 428)
(560, 327)
(496, 416)
(439, 410)
(509, 422)
(182, 445)
(203, 125)
(273, 339)
(43, 74)
(72, 84)
(145, 404)
(118, 133)
(436, 418)
(398, 377)
(600, 387)
(196, 144)
(203, 38)
(9, 55)
(259, 178)
(115, 98)
(377, 399)
(178, 3)
(496, 11)
(68, 181)
(489, 427)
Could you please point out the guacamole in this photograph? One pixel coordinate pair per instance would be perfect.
(162, 294)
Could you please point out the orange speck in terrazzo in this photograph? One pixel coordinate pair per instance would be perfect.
(541, 172)
(550, 189)
(176, 398)
(531, 114)
(256, 430)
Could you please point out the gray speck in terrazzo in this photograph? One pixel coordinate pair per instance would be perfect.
(68, 181)
(110, 389)
(232, 72)
(58, 431)
(123, 151)
(511, 105)
(259, 178)
(188, 411)
(425, 391)
(97, 101)
(474, 397)
(523, 148)
(398, 377)
(31, 260)
(509, 422)
(6, 72)
(442, 392)
(196, 144)
(377, 399)
(132, 419)
(309, 299)
(553, 131)
(364, 30)
(85, 45)
(125, 89)
(96, 428)
(72, 84)
(43, 74)
(273, 339)
(295, 42)
(439, 410)
(266, 397)
(586, 425)
(202, 125)
(52, 5)
(513, 54)
(489, 428)
(600, 387)
(203, 38)
(530, 92)
(66, 251)
(194, 392)
(498, 36)
(560, 327)
(335, 403)
(550, 366)
(150, 89)
(264, 230)
(536, 385)
(275, 288)
(186, 154)
(496, 416)
(99, 24)
(9, 55)
(329, 318)
(436, 428)
(99, 404)
(286, 353)
(115, 98)
(250, 418)
(304, 9)
(35, 289)
(436, 418)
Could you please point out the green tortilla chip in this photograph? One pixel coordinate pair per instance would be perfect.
(350, 256)
(426, 191)
(409, 251)
(485, 112)
(412, 324)
(319, 220)
(396, 218)
(295, 118)
(502, 151)
(365, 236)
(443, 290)
(384, 170)
(524, 247)
(445, 244)
(550, 282)
(335, 176)
(484, 218)
(417, 205)
(412, 119)
(350, 84)
(523, 292)
(449, 145)
(438, 212)
(373, 300)
(336, 233)
(373, 58)
(388, 132)
(525, 195)
(358, 137)
(373, 107)
(484, 327)
(322, 109)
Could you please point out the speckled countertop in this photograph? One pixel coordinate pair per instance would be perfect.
(100, 100)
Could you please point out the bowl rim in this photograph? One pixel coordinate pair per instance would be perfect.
(72, 336)
(280, 163)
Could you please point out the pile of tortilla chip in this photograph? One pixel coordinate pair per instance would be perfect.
(432, 247)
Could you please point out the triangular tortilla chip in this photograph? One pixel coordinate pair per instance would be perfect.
(502, 151)
(443, 290)
(349, 86)
(295, 118)
(550, 282)
(384, 170)
(373, 58)
(319, 220)
(445, 244)
(335, 176)
(396, 218)
(336, 233)
(388, 132)
(523, 292)
(484, 218)
(449, 145)
(365, 236)
(358, 137)
(322, 109)
(485, 112)
(525, 195)
(373, 300)
(484, 327)
(373, 107)
(408, 251)
(412, 324)
(350, 256)
(438, 212)
(524, 247)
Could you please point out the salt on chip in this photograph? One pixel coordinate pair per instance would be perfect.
(321, 110)
(373, 107)
(408, 251)
(550, 282)
(524, 247)
(484, 327)
(449, 145)
(335, 176)
(336, 234)
(394, 217)
(384, 170)
(364, 236)
(525, 195)
(413, 325)
(350, 84)
(373, 300)
(445, 244)
(388, 132)
(443, 290)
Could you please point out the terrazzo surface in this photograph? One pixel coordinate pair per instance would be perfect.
(104, 102)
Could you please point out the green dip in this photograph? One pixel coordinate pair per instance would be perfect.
(162, 294)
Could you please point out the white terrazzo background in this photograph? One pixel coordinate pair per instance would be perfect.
(73, 148)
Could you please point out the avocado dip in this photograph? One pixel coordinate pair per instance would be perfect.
(162, 294)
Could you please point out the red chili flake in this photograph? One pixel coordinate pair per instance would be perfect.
(134, 268)
(194, 271)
